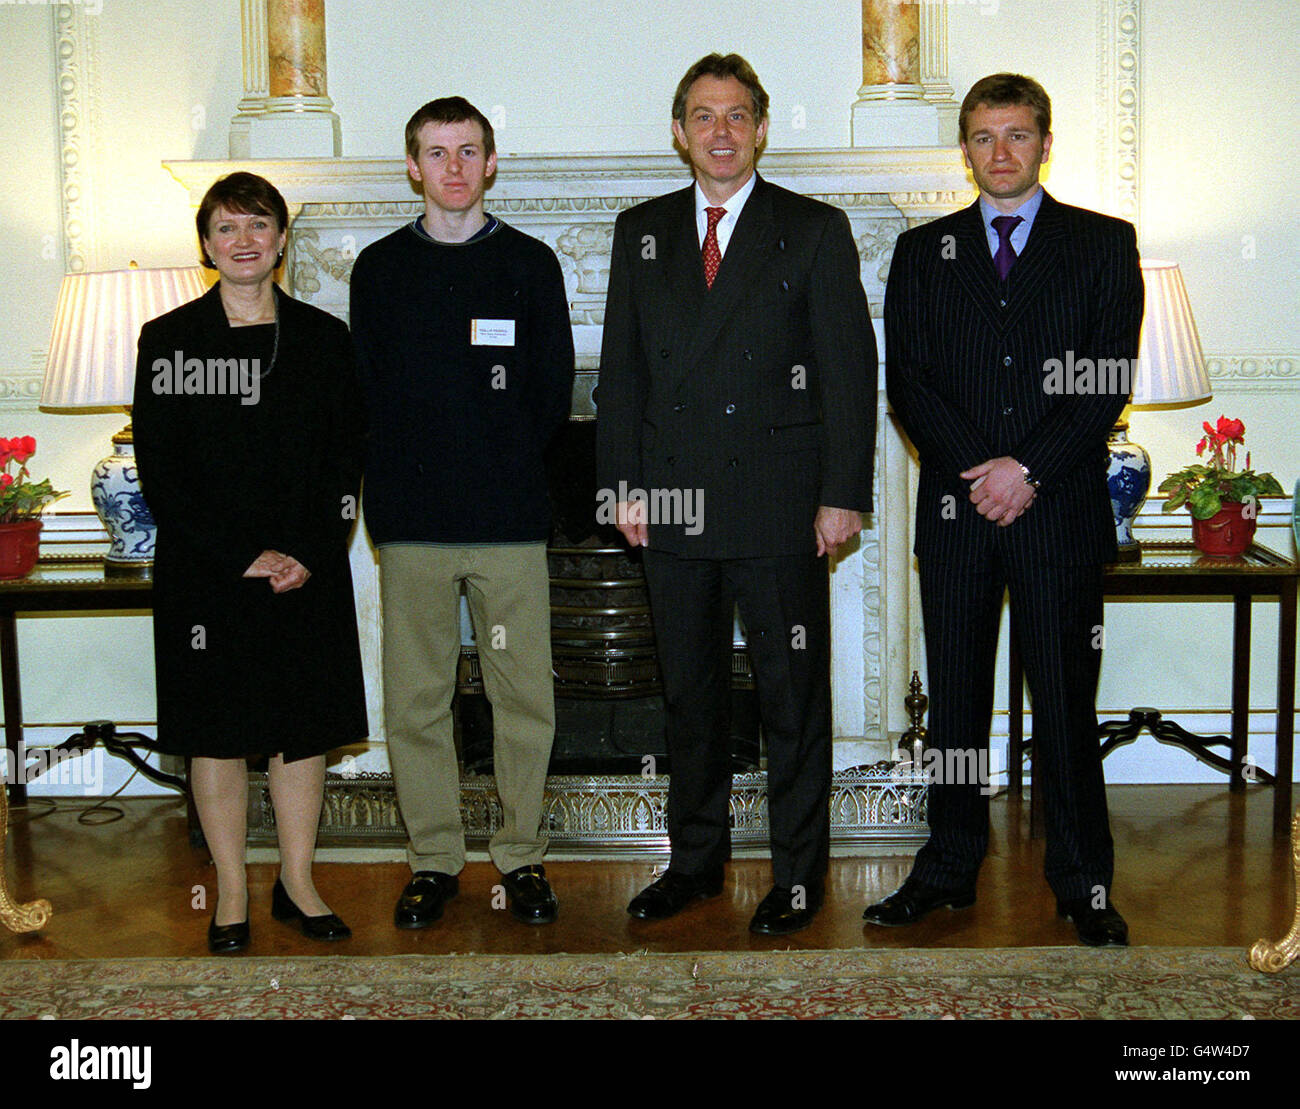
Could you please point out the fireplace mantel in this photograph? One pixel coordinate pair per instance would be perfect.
(340, 205)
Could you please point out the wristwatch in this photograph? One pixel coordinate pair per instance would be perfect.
(1030, 480)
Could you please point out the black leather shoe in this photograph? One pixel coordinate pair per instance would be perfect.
(673, 892)
(324, 927)
(1096, 927)
(783, 911)
(912, 900)
(424, 898)
(225, 938)
(530, 896)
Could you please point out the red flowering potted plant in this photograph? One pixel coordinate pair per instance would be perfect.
(21, 503)
(1223, 501)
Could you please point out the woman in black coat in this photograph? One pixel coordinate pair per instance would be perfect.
(248, 436)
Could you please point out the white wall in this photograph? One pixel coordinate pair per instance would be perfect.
(1216, 120)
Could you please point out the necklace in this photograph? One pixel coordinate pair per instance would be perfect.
(275, 346)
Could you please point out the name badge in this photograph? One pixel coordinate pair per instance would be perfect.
(492, 333)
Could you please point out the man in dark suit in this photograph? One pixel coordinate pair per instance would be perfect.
(738, 376)
(1013, 490)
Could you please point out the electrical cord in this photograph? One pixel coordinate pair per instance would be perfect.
(107, 814)
(101, 812)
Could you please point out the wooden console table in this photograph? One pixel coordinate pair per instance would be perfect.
(1178, 569)
(60, 583)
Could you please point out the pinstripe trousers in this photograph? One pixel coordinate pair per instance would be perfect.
(1058, 613)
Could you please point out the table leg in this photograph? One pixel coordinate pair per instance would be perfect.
(1238, 774)
(13, 708)
(1015, 716)
(1272, 957)
(1286, 631)
(17, 917)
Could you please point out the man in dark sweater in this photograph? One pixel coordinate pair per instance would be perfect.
(463, 343)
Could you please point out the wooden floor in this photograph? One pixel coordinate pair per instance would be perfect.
(1195, 866)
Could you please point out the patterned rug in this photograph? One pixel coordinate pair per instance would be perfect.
(1029, 983)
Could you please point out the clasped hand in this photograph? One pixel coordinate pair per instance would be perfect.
(285, 571)
(999, 491)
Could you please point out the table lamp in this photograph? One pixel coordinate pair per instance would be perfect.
(1170, 370)
(92, 365)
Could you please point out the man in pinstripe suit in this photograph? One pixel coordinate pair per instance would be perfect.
(1012, 492)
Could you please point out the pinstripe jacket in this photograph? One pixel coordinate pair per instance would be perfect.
(967, 374)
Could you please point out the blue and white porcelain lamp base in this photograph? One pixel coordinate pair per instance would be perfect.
(115, 490)
(1129, 480)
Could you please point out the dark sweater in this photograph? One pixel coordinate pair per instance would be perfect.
(457, 430)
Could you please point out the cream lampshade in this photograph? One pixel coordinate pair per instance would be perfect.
(1171, 367)
(92, 365)
(1170, 370)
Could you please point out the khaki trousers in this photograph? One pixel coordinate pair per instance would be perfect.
(508, 591)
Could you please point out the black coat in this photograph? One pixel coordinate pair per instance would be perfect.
(966, 379)
(242, 670)
(759, 392)
(967, 375)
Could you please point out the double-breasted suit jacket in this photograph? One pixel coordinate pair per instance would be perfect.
(760, 391)
(972, 376)
(757, 394)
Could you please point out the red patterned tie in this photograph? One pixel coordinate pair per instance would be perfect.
(712, 254)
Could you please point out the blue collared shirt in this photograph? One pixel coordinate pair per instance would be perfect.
(1027, 211)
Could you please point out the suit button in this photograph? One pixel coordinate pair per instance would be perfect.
(671, 459)
(730, 409)
(1007, 360)
(748, 356)
(663, 353)
(1008, 410)
(1002, 303)
(679, 408)
(733, 462)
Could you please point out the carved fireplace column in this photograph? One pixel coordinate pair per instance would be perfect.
(285, 111)
(905, 99)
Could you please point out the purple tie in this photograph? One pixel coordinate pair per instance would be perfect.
(1005, 257)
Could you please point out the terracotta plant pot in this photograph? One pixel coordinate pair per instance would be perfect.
(20, 543)
(1227, 533)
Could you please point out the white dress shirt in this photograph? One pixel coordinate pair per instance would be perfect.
(727, 224)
